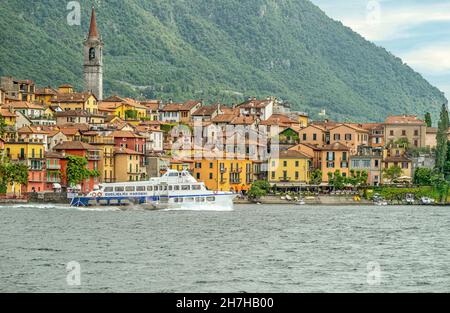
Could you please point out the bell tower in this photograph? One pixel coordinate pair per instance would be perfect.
(93, 60)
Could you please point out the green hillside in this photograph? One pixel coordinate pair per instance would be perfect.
(219, 51)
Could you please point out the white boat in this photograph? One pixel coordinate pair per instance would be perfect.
(427, 201)
(173, 190)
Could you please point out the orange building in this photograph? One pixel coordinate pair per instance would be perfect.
(349, 135)
(80, 149)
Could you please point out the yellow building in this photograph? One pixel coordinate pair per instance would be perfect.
(85, 101)
(125, 108)
(224, 175)
(303, 119)
(127, 165)
(290, 167)
(45, 95)
(8, 116)
(395, 156)
(33, 155)
(106, 165)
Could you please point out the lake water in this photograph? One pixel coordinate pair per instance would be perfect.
(251, 249)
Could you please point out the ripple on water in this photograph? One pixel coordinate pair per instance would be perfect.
(251, 249)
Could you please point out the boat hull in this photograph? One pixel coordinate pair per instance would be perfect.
(224, 200)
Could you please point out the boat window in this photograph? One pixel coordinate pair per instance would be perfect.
(173, 174)
(149, 188)
(200, 199)
(185, 187)
(140, 188)
(119, 189)
(178, 200)
(196, 187)
(211, 199)
(170, 188)
(190, 199)
(129, 188)
(109, 189)
(176, 187)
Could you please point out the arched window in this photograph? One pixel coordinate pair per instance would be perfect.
(91, 54)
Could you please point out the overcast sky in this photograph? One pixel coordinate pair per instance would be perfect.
(418, 31)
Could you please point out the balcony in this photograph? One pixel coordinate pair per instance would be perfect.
(52, 180)
(53, 166)
(236, 181)
(284, 179)
(101, 141)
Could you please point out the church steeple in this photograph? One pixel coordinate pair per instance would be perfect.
(93, 33)
(93, 60)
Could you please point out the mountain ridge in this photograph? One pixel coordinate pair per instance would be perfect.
(207, 48)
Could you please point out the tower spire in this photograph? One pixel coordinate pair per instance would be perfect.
(93, 33)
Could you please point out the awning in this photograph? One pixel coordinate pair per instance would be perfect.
(56, 186)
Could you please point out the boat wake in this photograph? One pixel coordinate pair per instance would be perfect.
(204, 209)
(60, 207)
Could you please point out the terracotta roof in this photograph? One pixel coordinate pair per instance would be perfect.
(257, 104)
(32, 129)
(243, 120)
(72, 113)
(404, 119)
(124, 134)
(66, 86)
(53, 155)
(278, 119)
(46, 91)
(115, 101)
(76, 97)
(356, 128)
(17, 105)
(79, 126)
(314, 126)
(206, 110)
(74, 145)
(371, 126)
(118, 150)
(189, 105)
(54, 132)
(69, 131)
(7, 113)
(172, 107)
(224, 118)
(292, 154)
(337, 146)
(151, 104)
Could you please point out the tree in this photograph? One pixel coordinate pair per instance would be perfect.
(77, 170)
(440, 185)
(259, 189)
(392, 173)
(442, 140)
(16, 173)
(131, 115)
(336, 180)
(422, 176)
(428, 120)
(316, 177)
